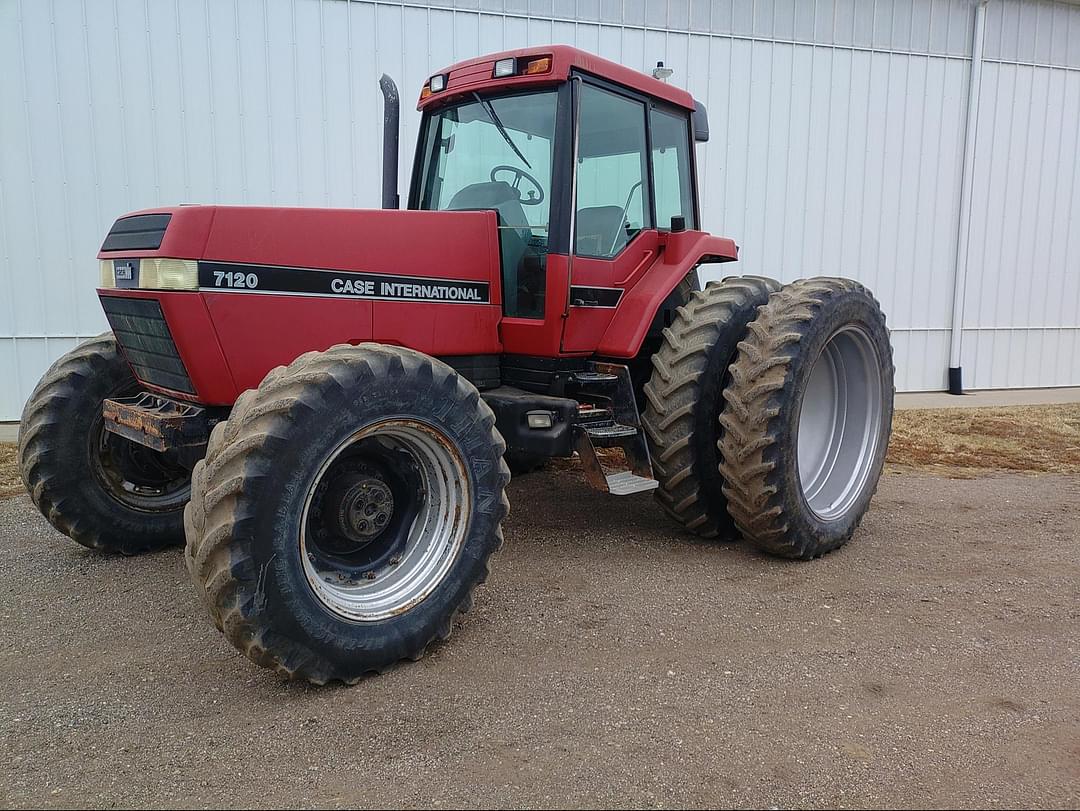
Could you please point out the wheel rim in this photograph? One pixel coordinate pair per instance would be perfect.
(384, 520)
(840, 424)
(136, 476)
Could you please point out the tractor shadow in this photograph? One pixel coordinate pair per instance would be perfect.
(555, 507)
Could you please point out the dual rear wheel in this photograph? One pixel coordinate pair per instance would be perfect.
(769, 412)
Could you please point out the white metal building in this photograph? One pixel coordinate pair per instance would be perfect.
(840, 144)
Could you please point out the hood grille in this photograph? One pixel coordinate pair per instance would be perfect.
(141, 330)
(142, 232)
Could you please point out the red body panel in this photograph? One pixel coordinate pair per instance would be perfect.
(229, 339)
(585, 326)
(474, 75)
(196, 342)
(679, 253)
(533, 336)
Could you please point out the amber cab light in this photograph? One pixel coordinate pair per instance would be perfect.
(534, 66)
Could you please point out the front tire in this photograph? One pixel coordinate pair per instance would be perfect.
(346, 510)
(808, 417)
(97, 488)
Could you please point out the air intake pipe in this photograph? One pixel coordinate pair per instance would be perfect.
(391, 119)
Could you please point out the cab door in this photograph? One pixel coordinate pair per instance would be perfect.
(627, 149)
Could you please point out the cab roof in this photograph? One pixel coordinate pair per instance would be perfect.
(474, 75)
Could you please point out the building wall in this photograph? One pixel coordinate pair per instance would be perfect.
(837, 143)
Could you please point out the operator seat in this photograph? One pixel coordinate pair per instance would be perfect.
(514, 231)
(598, 229)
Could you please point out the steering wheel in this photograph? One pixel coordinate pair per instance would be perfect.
(518, 174)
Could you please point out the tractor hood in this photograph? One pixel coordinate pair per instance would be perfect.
(375, 254)
(205, 300)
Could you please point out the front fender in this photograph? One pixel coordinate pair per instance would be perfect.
(682, 251)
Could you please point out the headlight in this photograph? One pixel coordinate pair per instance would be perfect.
(150, 274)
(108, 279)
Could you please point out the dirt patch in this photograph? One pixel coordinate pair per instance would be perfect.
(610, 661)
(964, 443)
(10, 481)
(969, 441)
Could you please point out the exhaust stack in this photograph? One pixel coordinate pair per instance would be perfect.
(391, 118)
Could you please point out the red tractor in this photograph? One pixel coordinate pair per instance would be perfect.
(325, 403)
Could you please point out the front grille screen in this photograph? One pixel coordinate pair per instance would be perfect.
(140, 328)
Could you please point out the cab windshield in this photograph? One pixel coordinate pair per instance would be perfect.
(497, 153)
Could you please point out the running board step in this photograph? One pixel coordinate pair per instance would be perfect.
(594, 377)
(610, 431)
(620, 427)
(625, 483)
(638, 479)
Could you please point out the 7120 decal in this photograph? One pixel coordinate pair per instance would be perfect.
(233, 279)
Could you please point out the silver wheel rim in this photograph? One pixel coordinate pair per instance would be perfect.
(430, 543)
(840, 424)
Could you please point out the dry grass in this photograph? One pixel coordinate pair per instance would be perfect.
(969, 441)
(10, 481)
(960, 442)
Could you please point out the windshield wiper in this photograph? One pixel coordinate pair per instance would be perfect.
(499, 126)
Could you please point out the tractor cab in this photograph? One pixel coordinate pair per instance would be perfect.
(589, 167)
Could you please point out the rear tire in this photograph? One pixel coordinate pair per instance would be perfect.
(279, 540)
(97, 488)
(808, 417)
(684, 400)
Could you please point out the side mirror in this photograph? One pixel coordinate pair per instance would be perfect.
(700, 120)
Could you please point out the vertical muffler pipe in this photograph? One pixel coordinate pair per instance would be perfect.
(391, 120)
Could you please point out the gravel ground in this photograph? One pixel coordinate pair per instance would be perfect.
(611, 660)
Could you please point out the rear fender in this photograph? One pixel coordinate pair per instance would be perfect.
(682, 252)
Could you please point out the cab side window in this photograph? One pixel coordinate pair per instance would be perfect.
(671, 168)
(612, 175)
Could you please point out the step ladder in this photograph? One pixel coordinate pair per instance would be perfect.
(615, 426)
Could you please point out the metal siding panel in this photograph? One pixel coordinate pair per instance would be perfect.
(18, 223)
(541, 8)
(311, 120)
(1026, 32)
(588, 9)
(678, 15)
(995, 21)
(701, 15)
(764, 17)
(958, 19)
(742, 17)
(784, 18)
(339, 153)
(823, 159)
(655, 13)
(863, 21)
(617, 12)
(1022, 312)
(565, 9)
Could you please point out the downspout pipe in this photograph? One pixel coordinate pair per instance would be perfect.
(956, 383)
(391, 121)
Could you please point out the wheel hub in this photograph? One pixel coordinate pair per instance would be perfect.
(384, 520)
(364, 509)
